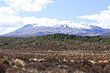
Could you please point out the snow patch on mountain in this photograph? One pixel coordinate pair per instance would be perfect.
(28, 26)
(62, 24)
(70, 24)
(67, 25)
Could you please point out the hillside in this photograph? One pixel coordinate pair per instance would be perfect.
(56, 42)
(105, 34)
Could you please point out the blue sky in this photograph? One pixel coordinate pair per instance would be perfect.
(17, 13)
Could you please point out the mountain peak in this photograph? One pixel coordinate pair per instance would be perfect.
(29, 26)
(69, 24)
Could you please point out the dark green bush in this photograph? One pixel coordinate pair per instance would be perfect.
(5, 61)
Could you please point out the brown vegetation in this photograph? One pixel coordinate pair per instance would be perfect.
(56, 61)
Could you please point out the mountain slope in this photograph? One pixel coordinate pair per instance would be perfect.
(105, 34)
(31, 30)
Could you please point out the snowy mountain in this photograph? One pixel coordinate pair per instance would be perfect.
(71, 25)
(31, 30)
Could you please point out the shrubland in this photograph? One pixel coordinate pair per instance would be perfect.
(55, 53)
(56, 42)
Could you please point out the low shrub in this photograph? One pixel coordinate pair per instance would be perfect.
(102, 64)
(47, 64)
(5, 61)
(24, 58)
(86, 62)
(1, 56)
(97, 69)
(107, 67)
(52, 59)
(2, 68)
(87, 66)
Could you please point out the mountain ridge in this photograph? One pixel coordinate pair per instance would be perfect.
(32, 30)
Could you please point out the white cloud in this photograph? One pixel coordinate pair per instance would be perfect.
(103, 19)
(28, 5)
(6, 11)
(40, 21)
(9, 20)
(47, 22)
(7, 29)
(8, 17)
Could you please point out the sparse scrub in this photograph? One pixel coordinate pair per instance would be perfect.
(2, 68)
(55, 53)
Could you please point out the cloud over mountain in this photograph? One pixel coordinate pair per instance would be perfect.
(10, 19)
(102, 19)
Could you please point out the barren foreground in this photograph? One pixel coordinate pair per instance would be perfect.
(34, 61)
